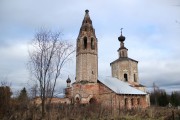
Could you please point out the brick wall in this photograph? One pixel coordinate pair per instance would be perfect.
(85, 91)
(120, 101)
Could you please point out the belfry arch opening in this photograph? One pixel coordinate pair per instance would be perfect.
(92, 43)
(125, 77)
(85, 42)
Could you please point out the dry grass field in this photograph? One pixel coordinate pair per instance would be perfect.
(92, 112)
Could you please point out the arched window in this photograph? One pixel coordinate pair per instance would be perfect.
(126, 103)
(125, 77)
(122, 54)
(138, 101)
(92, 101)
(132, 102)
(77, 100)
(135, 80)
(85, 42)
(92, 43)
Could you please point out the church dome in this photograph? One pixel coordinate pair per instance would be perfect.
(121, 38)
(68, 80)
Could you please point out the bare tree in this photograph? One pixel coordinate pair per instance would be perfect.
(4, 81)
(33, 91)
(48, 54)
(156, 92)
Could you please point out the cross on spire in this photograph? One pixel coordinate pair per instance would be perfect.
(121, 37)
(121, 31)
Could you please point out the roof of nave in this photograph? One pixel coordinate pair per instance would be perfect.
(123, 59)
(119, 86)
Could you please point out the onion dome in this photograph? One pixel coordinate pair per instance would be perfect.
(68, 80)
(121, 38)
(86, 11)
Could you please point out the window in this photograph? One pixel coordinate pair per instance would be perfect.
(138, 101)
(85, 42)
(135, 80)
(126, 102)
(77, 100)
(92, 43)
(125, 77)
(132, 102)
(122, 54)
(92, 101)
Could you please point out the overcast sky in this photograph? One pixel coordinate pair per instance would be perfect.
(151, 28)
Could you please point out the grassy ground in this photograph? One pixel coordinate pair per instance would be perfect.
(93, 113)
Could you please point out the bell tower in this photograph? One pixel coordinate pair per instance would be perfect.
(125, 68)
(86, 52)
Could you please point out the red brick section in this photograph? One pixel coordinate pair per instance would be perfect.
(120, 101)
(101, 94)
(38, 101)
(85, 91)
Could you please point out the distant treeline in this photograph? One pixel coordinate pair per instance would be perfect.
(160, 98)
(8, 104)
(19, 107)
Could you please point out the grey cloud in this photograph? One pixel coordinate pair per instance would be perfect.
(152, 36)
(161, 73)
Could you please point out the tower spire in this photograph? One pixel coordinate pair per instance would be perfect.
(86, 24)
(86, 17)
(122, 50)
(86, 52)
(86, 13)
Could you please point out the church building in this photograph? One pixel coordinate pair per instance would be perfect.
(122, 90)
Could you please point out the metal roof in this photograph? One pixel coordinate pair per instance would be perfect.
(59, 95)
(119, 86)
(123, 59)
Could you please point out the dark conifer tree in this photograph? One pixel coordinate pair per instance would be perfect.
(23, 98)
(5, 97)
(175, 99)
